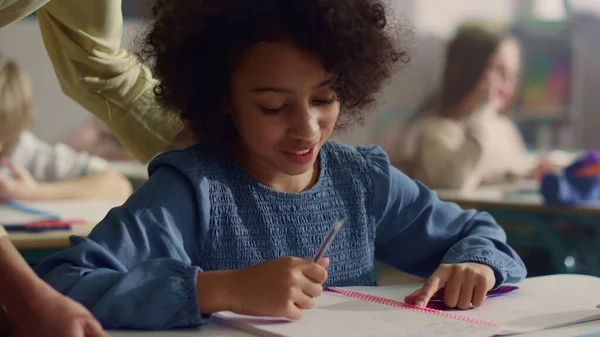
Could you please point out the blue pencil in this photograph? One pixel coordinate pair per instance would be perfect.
(25, 208)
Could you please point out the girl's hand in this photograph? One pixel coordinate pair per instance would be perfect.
(463, 283)
(278, 288)
(489, 91)
(19, 184)
(59, 316)
(544, 167)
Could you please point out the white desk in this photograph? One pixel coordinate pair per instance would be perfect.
(522, 193)
(570, 290)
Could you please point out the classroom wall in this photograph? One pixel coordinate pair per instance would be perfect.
(439, 17)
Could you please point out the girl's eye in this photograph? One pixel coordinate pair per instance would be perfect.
(324, 101)
(272, 111)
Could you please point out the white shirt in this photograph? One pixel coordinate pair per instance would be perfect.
(464, 153)
(48, 163)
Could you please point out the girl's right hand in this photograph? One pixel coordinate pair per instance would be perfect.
(278, 288)
(489, 89)
(545, 166)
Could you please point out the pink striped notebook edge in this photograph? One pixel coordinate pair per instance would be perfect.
(399, 304)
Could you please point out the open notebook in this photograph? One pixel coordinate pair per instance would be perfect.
(339, 315)
(349, 312)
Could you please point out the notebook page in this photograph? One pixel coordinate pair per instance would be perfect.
(520, 312)
(540, 303)
(355, 318)
(547, 321)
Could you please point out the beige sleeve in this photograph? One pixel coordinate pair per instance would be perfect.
(83, 42)
(449, 155)
(14, 10)
(2, 231)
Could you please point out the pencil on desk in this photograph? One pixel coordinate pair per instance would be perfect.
(50, 223)
(43, 225)
(21, 228)
(25, 208)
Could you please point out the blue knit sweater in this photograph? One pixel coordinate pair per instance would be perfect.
(199, 211)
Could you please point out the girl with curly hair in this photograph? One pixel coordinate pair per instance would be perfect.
(232, 222)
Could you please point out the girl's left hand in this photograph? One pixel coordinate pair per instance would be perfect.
(544, 167)
(19, 184)
(463, 283)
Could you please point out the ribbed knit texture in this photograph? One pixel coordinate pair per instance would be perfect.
(251, 223)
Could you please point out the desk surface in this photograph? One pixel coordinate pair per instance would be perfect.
(576, 290)
(131, 169)
(521, 195)
(92, 210)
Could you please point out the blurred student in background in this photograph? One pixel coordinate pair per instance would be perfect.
(463, 137)
(32, 169)
(95, 138)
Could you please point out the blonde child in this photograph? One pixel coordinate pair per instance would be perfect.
(232, 222)
(36, 170)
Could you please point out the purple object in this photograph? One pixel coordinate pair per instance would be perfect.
(437, 301)
(567, 188)
(501, 291)
(589, 158)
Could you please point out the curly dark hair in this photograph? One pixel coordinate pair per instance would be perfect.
(194, 46)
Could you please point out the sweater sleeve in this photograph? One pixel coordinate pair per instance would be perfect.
(84, 45)
(135, 269)
(416, 231)
(14, 10)
(453, 153)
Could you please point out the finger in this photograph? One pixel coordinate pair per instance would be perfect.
(77, 328)
(466, 294)
(324, 262)
(14, 169)
(411, 299)
(312, 289)
(4, 186)
(292, 311)
(479, 294)
(303, 301)
(315, 273)
(432, 285)
(94, 329)
(19, 172)
(452, 289)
